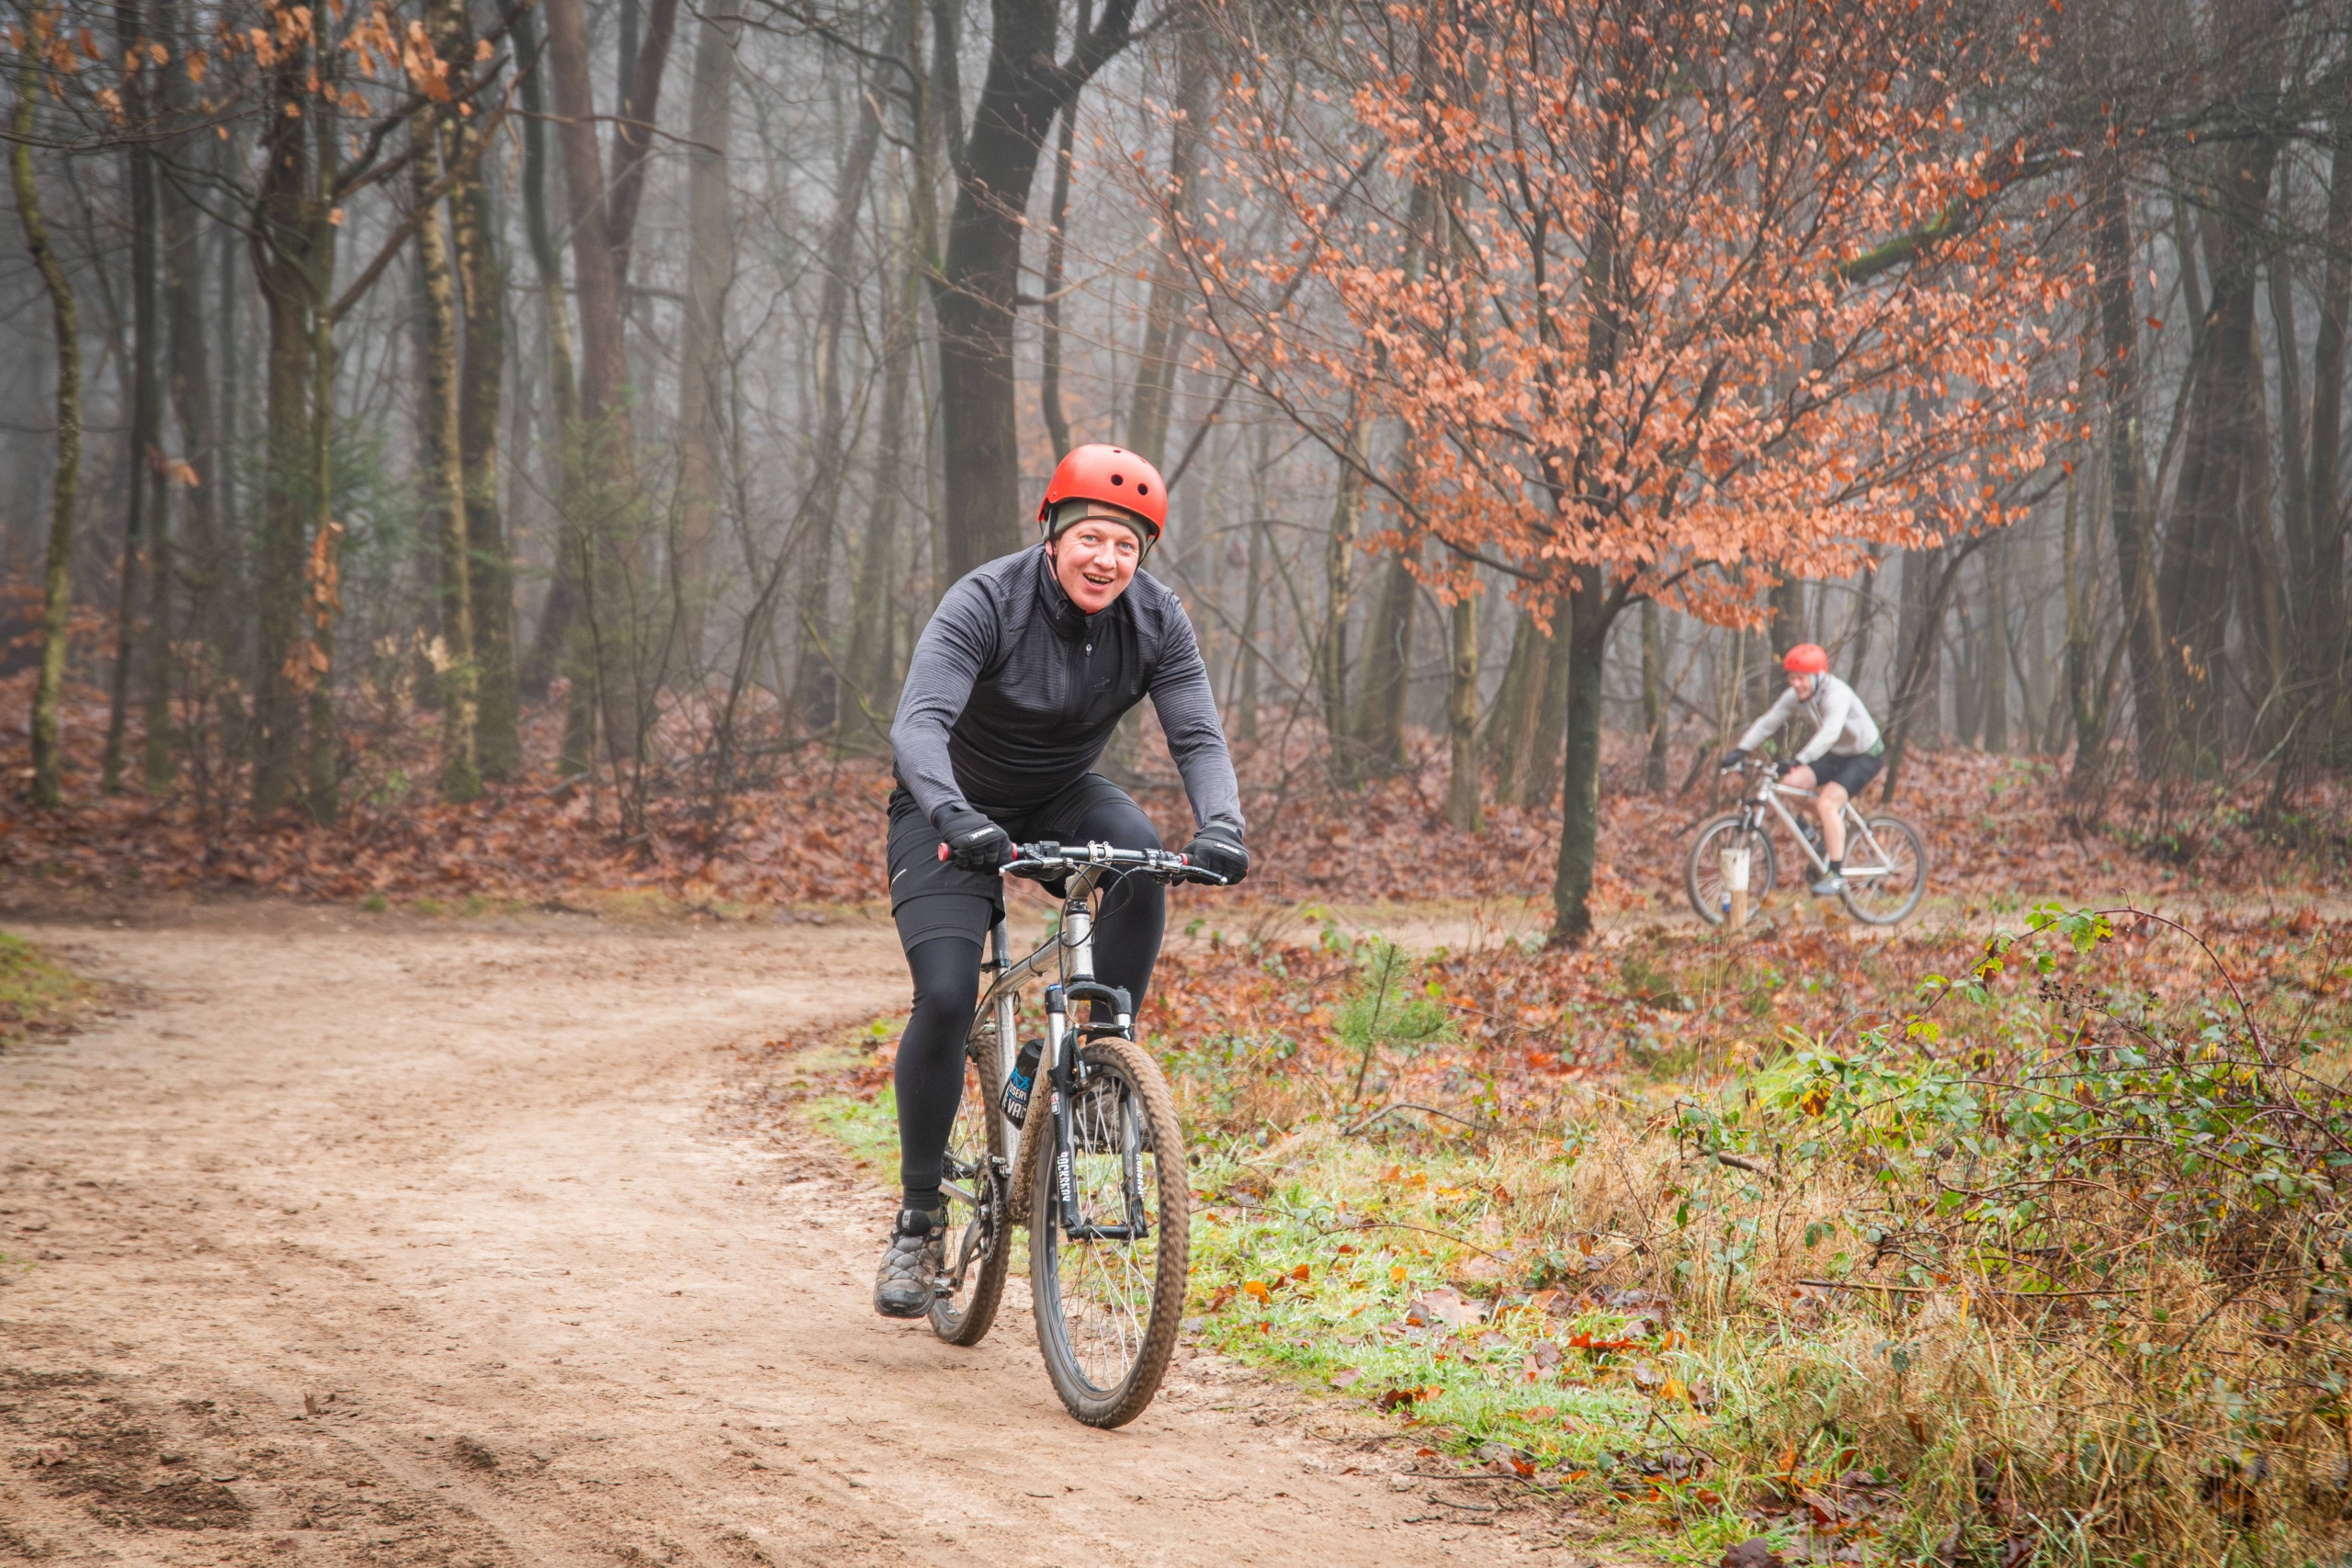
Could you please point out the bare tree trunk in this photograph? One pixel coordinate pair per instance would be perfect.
(198, 568)
(446, 484)
(1787, 599)
(2327, 639)
(57, 582)
(815, 699)
(1024, 88)
(1510, 717)
(1049, 347)
(1993, 671)
(1246, 704)
(2197, 573)
(1540, 773)
(551, 639)
(1462, 788)
(1163, 338)
(285, 245)
(872, 662)
(1654, 717)
(146, 408)
(1389, 660)
(604, 222)
(481, 271)
(702, 355)
(2131, 508)
(1586, 613)
(2262, 612)
(1338, 574)
(322, 569)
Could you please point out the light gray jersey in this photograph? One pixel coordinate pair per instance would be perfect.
(1842, 726)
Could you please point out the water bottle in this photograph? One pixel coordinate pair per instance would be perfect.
(1024, 1076)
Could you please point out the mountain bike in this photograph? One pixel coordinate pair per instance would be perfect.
(1100, 1179)
(1886, 860)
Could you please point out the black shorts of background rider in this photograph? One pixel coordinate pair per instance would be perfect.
(930, 896)
(1848, 774)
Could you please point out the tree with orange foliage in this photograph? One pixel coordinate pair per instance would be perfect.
(1651, 301)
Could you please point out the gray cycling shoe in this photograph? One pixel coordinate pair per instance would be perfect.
(917, 1250)
(1828, 887)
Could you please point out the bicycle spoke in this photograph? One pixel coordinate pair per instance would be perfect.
(1107, 1282)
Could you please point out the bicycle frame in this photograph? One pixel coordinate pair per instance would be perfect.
(1072, 945)
(1773, 792)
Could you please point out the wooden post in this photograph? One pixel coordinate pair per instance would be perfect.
(1735, 864)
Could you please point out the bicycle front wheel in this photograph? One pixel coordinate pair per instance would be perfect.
(1108, 1249)
(1887, 871)
(974, 1178)
(1702, 872)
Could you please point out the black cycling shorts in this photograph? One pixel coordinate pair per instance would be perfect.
(1850, 774)
(930, 896)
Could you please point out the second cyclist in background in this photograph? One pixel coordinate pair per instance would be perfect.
(1844, 754)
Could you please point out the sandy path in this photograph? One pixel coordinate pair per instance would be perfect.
(356, 1240)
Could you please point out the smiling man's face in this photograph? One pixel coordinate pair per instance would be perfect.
(1094, 561)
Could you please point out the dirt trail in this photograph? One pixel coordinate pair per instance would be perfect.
(351, 1240)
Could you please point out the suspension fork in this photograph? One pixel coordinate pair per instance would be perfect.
(1059, 1052)
(1008, 1045)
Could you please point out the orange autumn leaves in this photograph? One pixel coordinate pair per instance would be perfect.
(1614, 280)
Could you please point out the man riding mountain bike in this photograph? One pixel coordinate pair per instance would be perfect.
(1844, 754)
(1014, 687)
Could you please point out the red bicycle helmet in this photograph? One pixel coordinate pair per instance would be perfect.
(1806, 659)
(1113, 476)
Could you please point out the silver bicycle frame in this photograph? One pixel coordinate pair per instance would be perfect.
(1073, 947)
(1857, 830)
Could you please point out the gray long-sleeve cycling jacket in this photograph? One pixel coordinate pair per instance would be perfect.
(1013, 691)
(1842, 726)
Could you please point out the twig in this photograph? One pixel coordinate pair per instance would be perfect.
(1416, 1105)
(1973, 1289)
(1425, 1230)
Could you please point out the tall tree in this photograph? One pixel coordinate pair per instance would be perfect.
(446, 484)
(1165, 308)
(480, 268)
(1026, 87)
(57, 575)
(604, 210)
(143, 521)
(702, 358)
(816, 694)
(1656, 196)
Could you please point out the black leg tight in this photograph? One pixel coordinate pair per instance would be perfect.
(930, 1074)
(946, 970)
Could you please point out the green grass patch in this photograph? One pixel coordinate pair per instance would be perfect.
(868, 1128)
(36, 994)
(1324, 1260)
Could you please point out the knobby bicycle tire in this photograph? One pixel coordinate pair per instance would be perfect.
(1883, 901)
(1701, 879)
(1108, 1310)
(975, 1151)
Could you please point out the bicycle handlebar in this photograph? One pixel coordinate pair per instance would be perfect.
(1047, 858)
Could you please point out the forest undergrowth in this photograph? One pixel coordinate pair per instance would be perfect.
(2015, 1247)
(802, 830)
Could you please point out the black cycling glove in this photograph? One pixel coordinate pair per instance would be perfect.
(1782, 770)
(974, 843)
(1733, 758)
(1220, 851)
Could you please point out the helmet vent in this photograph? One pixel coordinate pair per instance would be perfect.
(1118, 479)
(1143, 490)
